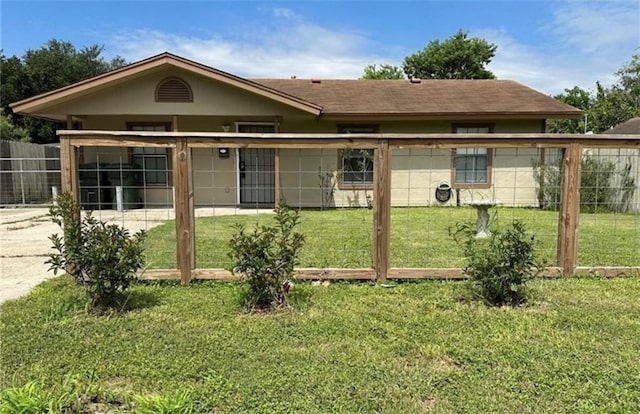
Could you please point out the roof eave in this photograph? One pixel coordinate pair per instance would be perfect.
(453, 115)
(31, 105)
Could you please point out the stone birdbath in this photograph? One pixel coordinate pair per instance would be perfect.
(482, 207)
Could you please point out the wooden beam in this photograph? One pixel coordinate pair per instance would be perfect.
(393, 273)
(303, 274)
(426, 273)
(369, 140)
(164, 142)
(382, 209)
(622, 271)
(569, 209)
(184, 240)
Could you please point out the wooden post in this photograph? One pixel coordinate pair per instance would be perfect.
(569, 209)
(276, 176)
(276, 165)
(69, 164)
(183, 211)
(382, 209)
(192, 226)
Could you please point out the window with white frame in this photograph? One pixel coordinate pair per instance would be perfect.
(472, 165)
(154, 161)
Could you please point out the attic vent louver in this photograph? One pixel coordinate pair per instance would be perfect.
(415, 80)
(173, 90)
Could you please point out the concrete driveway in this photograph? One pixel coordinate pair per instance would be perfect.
(25, 244)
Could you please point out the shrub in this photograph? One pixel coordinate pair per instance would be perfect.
(65, 212)
(597, 192)
(266, 257)
(102, 257)
(500, 265)
(602, 186)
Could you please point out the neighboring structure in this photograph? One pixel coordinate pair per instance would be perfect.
(28, 173)
(630, 127)
(628, 162)
(170, 93)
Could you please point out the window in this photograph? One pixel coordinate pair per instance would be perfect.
(154, 161)
(356, 165)
(472, 166)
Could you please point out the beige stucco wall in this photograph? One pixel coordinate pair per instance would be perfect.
(137, 96)
(415, 175)
(415, 172)
(214, 178)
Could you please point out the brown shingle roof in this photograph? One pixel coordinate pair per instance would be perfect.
(632, 127)
(427, 98)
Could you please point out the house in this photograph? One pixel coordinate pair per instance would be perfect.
(170, 93)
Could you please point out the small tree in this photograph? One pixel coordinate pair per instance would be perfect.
(266, 257)
(500, 265)
(101, 257)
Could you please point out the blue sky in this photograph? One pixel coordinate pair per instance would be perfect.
(548, 45)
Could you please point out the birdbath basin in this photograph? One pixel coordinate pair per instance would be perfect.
(482, 225)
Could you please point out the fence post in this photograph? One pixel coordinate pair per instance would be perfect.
(569, 208)
(69, 167)
(22, 183)
(183, 211)
(382, 209)
(119, 199)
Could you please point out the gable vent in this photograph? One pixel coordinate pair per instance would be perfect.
(173, 90)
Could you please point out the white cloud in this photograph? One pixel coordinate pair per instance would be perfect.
(602, 28)
(286, 44)
(585, 42)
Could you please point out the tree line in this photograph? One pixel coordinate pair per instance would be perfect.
(59, 63)
(54, 65)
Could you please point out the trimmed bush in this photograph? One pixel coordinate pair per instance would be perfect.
(500, 265)
(103, 258)
(266, 257)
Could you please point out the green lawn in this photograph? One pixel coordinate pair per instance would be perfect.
(347, 348)
(419, 238)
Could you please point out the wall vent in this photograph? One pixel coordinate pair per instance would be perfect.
(173, 90)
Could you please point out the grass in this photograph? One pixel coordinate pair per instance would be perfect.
(345, 348)
(419, 237)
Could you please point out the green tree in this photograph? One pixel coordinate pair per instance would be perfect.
(10, 132)
(458, 57)
(603, 108)
(384, 72)
(578, 98)
(629, 75)
(55, 65)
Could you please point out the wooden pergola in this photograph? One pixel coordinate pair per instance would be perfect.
(572, 146)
